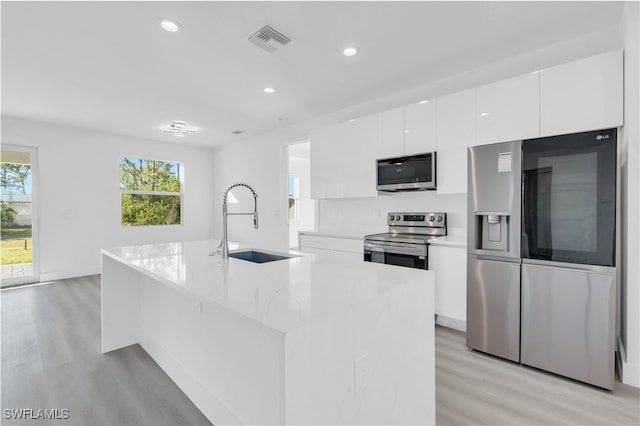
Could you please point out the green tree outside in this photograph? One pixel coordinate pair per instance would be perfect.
(15, 176)
(139, 179)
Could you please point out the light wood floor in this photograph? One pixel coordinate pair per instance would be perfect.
(478, 389)
(51, 359)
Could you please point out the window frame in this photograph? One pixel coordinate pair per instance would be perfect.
(122, 192)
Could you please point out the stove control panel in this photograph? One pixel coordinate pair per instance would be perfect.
(437, 220)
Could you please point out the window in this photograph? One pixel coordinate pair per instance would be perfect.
(294, 196)
(151, 192)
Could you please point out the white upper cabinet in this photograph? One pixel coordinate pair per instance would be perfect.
(573, 97)
(343, 159)
(407, 130)
(508, 110)
(420, 131)
(456, 129)
(391, 133)
(582, 95)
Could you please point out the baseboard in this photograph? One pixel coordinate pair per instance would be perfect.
(629, 372)
(453, 323)
(72, 273)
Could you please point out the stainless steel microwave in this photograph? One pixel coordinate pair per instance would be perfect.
(410, 173)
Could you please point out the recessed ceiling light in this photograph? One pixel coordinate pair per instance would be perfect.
(424, 101)
(269, 90)
(169, 25)
(350, 51)
(484, 114)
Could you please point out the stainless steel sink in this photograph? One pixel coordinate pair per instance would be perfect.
(258, 256)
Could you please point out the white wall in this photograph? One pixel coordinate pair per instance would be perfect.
(79, 196)
(629, 289)
(369, 215)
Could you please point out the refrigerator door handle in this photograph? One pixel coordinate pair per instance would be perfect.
(564, 265)
(495, 258)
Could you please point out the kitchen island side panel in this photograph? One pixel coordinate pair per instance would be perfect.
(120, 299)
(227, 364)
(373, 364)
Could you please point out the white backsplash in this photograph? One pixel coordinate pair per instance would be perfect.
(362, 216)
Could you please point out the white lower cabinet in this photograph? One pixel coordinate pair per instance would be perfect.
(450, 268)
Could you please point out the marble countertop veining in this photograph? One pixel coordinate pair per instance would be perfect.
(283, 295)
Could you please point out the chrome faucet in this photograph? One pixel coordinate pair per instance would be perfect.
(224, 244)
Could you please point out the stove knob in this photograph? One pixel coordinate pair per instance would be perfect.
(439, 218)
(432, 218)
(398, 217)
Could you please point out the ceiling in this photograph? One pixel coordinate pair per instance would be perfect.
(109, 66)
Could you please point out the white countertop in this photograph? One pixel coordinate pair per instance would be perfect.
(323, 234)
(450, 241)
(283, 295)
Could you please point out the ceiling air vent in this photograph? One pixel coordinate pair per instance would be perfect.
(269, 39)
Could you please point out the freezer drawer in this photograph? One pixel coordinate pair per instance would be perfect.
(568, 320)
(493, 307)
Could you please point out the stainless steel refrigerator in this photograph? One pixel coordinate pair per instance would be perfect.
(541, 253)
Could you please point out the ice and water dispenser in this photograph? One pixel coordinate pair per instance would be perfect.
(494, 200)
(493, 230)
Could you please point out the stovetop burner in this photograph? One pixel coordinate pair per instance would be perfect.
(412, 228)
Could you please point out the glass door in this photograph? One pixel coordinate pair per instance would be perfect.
(569, 199)
(19, 218)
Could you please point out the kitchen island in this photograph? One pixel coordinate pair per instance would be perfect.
(305, 340)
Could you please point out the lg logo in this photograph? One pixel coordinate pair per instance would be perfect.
(601, 137)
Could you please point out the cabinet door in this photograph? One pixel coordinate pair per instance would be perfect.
(508, 110)
(420, 132)
(358, 167)
(582, 95)
(390, 133)
(449, 267)
(456, 129)
(343, 159)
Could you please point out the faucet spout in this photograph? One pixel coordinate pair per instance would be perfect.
(224, 244)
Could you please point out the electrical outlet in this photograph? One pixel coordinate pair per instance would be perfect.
(361, 369)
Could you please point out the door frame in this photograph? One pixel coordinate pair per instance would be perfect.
(284, 188)
(35, 231)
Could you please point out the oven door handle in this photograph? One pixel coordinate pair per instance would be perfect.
(413, 250)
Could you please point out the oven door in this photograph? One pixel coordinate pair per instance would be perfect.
(399, 254)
